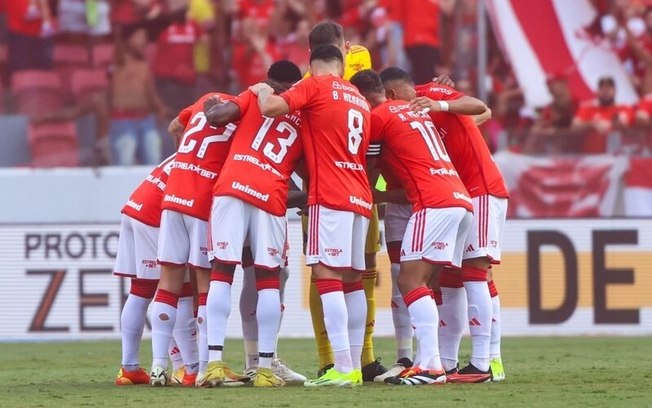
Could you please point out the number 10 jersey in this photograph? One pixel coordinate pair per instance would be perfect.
(199, 160)
(262, 157)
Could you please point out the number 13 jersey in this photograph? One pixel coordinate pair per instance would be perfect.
(262, 157)
(199, 160)
(335, 133)
(413, 151)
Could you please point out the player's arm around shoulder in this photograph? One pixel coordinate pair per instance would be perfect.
(270, 105)
(465, 105)
(221, 112)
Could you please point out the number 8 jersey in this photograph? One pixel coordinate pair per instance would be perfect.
(262, 157)
(413, 151)
(199, 160)
(335, 133)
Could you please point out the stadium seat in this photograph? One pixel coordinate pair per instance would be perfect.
(68, 54)
(102, 55)
(36, 91)
(13, 139)
(53, 144)
(86, 81)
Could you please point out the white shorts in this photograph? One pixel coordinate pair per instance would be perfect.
(436, 235)
(396, 220)
(137, 250)
(235, 224)
(487, 228)
(336, 239)
(183, 240)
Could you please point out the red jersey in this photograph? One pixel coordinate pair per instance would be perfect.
(465, 145)
(595, 142)
(335, 135)
(144, 203)
(414, 152)
(262, 157)
(421, 23)
(23, 17)
(200, 157)
(175, 52)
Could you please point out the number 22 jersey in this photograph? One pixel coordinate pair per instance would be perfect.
(199, 160)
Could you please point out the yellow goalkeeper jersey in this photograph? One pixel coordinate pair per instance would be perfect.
(356, 60)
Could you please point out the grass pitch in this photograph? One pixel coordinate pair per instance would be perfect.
(541, 372)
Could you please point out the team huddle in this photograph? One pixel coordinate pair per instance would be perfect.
(221, 199)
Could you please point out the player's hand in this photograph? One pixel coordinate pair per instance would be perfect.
(261, 87)
(424, 104)
(444, 80)
(210, 102)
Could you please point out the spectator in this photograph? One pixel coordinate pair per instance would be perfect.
(601, 123)
(133, 133)
(421, 37)
(30, 28)
(639, 141)
(202, 13)
(84, 18)
(253, 50)
(551, 131)
(396, 54)
(295, 46)
(174, 62)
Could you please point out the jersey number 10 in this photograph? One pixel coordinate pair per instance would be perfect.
(432, 139)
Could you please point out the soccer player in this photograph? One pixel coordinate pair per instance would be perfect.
(335, 133)
(356, 58)
(286, 73)
(397, 215)
(136, 259)
(184, 231)
(250, 205)
(483, 180)
(442, 214)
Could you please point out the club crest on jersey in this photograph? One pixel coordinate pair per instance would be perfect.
(203, 250)
(333, 251)
(272, 251)
(440, 246)
(221, 245)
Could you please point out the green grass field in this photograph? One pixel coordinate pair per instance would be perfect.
(541, 372)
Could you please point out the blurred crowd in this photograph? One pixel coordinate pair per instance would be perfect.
(132, 65)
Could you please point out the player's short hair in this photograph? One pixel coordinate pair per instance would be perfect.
(367, 81)
(395, 74)
(325, 33)
(284, 71)
(327, 53)
(278, 87)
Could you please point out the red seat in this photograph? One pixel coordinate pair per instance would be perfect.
(103, 55)
(86, 81)
(68, 54)
(53, 144)
(37, 91)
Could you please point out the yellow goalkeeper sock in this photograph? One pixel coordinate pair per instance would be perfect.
(369, 284)
(321, 336)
